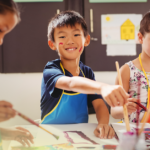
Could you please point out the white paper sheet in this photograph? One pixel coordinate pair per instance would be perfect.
(120, 28)
(121, 50)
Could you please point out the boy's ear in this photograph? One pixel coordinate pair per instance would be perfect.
(87, 40)
(51, 45)
(140, 38)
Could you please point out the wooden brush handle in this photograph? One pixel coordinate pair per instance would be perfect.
(125, 111)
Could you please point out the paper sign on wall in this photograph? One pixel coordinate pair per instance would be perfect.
(120, 28)
(38, 0)
(121, 50)
(115, 1)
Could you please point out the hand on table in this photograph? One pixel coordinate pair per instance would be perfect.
(6, 111)
(114, 95)
(104, 131)
(18, 134)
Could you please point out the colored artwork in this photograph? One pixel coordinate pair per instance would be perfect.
(127, 30)
(38, 1)
(115, 1)
(111, 147)
(86, 139)
(120, 28)
(147, 134)
(64, 146)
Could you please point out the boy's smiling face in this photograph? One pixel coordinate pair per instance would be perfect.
(69, 41)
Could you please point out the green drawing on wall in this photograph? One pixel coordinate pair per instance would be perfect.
(115, 1)
(38, 1)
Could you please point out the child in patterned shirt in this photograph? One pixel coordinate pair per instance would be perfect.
(136, 73)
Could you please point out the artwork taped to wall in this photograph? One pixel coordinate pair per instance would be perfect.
(115, 1)
(121, 50)
(120, 28)
(38, 1)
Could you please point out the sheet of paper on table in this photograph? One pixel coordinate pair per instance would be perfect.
(42, 138)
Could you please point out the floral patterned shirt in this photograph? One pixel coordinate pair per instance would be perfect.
(137, 77)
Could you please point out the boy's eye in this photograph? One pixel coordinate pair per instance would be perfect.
(77, 35)
(62, 37)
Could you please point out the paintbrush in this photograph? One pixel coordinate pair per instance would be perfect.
(34, 123)
(124, 107)
(140, 105)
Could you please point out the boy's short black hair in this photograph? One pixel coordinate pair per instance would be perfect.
(66, 18)
(145, 24)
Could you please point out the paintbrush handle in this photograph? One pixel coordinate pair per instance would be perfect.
(140, 105)
(28, 119)
(34, 123)
(45, 130)
(125, 111)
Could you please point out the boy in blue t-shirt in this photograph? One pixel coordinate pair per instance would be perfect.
(68, 84)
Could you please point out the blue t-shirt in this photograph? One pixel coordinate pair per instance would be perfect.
(51, 95)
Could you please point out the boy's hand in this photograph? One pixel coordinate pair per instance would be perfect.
(6, 111)
(104, 131)
(131, 105)
(19, 134)
(114, 95)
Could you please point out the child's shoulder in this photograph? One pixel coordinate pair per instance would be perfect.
(129, 68)
(125, 70)
(132, 65)
(86, 69)
(53, 64)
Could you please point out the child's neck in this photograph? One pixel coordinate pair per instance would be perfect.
(72, 66)
(145, 61)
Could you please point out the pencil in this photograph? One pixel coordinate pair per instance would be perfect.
(36, 124)
(124, 107)
(116, 136)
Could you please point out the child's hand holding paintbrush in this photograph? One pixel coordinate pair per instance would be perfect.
(132, 105)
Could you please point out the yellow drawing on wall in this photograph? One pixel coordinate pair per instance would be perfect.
(127, 30)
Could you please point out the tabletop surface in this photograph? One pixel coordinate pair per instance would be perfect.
(81, 134)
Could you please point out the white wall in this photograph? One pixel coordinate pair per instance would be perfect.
(24, 92)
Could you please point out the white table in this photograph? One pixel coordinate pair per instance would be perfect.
(43, 138)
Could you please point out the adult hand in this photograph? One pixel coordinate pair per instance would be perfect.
(19, 134)
(104, 131)
(114, 95)
(6, 111)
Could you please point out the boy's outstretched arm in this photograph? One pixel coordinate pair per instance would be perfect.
(103, 130)
(114, 95)
(117, 112)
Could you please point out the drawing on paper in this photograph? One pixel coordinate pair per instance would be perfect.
(127, 30)
(86, 139)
